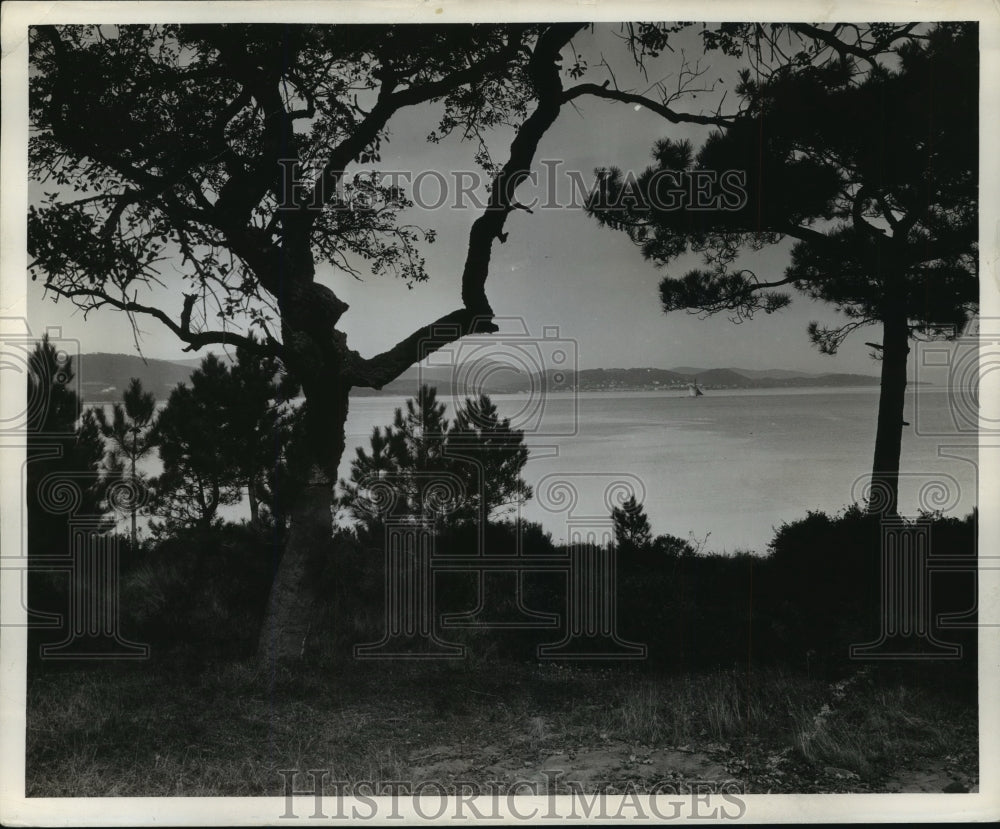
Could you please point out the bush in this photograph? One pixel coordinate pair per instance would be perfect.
(203, 592)
(821, 588)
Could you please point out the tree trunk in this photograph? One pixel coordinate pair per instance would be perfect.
(292, 601)
(254, 501)
(884, 496)
(133, 505)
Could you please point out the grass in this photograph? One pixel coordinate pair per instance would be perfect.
(230, 729)
(877, 727)
(718, 707)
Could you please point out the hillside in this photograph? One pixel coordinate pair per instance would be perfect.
(103, 378)
(616, 379)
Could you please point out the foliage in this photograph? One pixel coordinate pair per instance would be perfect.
(200, 591)
(822, 584)
(423, 467)
(130, 431)
(197, 451)
(866, 207)
(489, 457)
(64, 478)
(632, 530)
(260, 420)
(228, 432)
(62, 440)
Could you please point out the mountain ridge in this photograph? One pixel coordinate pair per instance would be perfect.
(103, 377)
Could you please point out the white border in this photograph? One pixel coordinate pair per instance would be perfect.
(16, 16)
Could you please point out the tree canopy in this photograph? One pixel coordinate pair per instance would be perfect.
(870, 167)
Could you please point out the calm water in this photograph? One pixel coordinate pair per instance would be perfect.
(730, 465)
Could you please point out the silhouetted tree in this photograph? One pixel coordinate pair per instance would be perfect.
(848, 157)
(420, 466)
(258, 420)
(198, 451)
(130, 431)
(61, 438)
(489, 457)
(406, 473)
(632, 530)
(64, 448)
(227, 150)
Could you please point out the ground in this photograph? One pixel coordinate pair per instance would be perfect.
(232, 729)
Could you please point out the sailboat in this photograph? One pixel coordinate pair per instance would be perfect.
(694, 391)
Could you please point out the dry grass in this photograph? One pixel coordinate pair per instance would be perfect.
(874, 728)
(721, 707)
(230, 730)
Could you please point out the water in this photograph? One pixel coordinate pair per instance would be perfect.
(730, 466)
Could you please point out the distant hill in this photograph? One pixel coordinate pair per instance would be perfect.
(753, 373)
(105, 376)
(613, 379)
(722, 378)
(772, 373)
(193, 362)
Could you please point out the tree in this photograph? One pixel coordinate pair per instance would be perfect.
(63, 463)
(490, 457)
(259, 423)
(198, 451)
(406, 473)
(62, 438)
(876, 186)
(426, 469)
(632, 530)
(130, 430)
(228, 151)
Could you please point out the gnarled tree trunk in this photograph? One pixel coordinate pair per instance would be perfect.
(292, 603)
(318, 356)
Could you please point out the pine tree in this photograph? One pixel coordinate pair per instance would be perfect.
(877, 188)
(490, 457)
(131, 431)
(62, 446)
(258, 419)
(406, 473)
(632, 530)
(198, 452)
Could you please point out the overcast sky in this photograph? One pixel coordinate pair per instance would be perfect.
(557, 268)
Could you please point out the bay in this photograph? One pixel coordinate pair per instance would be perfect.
(724, 469)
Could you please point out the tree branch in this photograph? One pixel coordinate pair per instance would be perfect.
(194, 339)
(388, 103)
(476, 316)
(654, 106)
(383, 368)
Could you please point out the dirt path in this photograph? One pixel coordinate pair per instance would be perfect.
(608, 767)
(616, 766)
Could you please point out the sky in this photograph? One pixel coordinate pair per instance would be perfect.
(558, 268)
